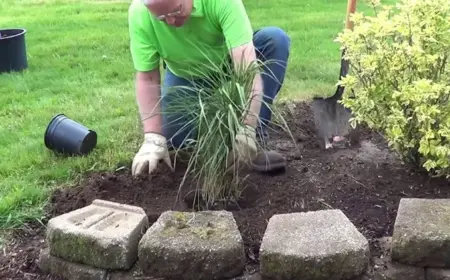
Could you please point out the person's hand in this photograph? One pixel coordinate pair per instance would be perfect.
(151, 152)
(245, 149)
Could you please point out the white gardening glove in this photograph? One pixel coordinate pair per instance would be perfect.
(245, 145)
(151, 152)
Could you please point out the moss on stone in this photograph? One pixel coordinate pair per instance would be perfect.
(181, 217)
(75, 247)
(203, 233)
(197, 224)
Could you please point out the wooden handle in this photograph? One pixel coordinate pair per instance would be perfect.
(351, 8)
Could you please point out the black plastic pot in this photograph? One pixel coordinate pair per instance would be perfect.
(66, 136)
(13, 51)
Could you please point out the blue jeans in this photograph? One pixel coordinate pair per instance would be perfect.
(271, 43)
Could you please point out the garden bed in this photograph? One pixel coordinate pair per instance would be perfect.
(365, 182)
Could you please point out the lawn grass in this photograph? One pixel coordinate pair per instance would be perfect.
(79, 64)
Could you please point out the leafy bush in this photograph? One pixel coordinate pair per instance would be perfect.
(217, 111)
(401, 80)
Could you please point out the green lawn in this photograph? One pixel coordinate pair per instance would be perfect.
(79, 64)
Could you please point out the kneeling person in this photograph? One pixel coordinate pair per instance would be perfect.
(181, 32)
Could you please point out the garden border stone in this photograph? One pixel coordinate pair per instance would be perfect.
(421, 235)
(103, 234)
(314, 245)
(187, 245)
(437, 274)
(398, 271)
(67, 269)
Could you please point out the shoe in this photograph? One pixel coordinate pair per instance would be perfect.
(269, 161)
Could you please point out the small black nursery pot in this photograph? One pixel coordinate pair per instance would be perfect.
(66, 136)
(13, 51)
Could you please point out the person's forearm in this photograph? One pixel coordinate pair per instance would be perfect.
(256, 96)
(246, 54)
(148, 95)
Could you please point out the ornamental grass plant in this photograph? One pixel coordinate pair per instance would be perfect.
(215, 109)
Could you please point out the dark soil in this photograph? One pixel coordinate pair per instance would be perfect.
(365, 182)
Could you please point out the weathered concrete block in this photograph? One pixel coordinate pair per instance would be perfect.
(132, 274)
(421, 235)
(255, 276)
(437, 274)
(104, 235)
(397, 271)
(316, 245)
(68, 270)
(200, 245)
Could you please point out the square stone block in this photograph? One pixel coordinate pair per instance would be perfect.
(421, 235)
(437, 274)
(104, 234)
(68, 270)
(397, 271)
(192, 245)
(316, 245)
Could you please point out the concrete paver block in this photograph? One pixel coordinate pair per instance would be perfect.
(437, 274)
(316, 245)
(398, 271)
(192, 245)
(68, 270)
(104, 234)
(132, 274)
(421, 235)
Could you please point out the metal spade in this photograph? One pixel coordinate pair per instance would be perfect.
(331, 117)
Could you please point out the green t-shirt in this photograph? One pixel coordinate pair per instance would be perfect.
(214, 27)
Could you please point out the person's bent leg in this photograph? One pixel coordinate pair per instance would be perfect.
(176, 127)
(272, 47)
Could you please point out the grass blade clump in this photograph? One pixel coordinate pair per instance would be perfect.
(216, 107)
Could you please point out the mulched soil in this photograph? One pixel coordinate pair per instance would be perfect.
(366, 182)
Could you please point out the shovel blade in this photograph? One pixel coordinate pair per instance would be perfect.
(325, 120)
(332, 119)
(343, 127)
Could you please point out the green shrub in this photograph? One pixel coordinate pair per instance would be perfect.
(401, 80)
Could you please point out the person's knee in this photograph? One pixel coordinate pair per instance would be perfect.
(276, 37)
(177, 131)
(176, 137)
(177, 141)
